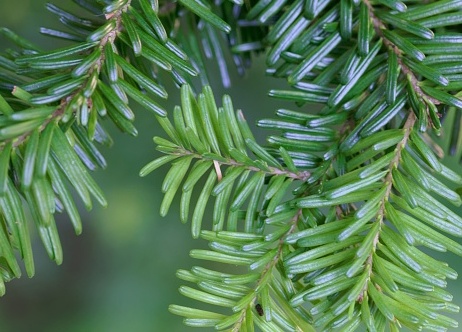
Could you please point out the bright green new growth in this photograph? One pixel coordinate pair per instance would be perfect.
(323, 226)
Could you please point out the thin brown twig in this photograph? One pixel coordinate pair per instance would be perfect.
(301, 175)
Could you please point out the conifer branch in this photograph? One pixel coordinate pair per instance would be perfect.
(267, 270)
(326, 219)
(408, 127)
(379, 26)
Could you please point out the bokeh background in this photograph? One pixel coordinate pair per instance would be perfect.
(119, 275)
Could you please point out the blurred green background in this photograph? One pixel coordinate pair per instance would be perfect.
(119, 275)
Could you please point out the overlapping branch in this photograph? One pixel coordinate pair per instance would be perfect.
(326, 220)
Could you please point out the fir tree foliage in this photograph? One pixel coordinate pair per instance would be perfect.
(324, 226)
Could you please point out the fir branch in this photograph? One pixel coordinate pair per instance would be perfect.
(408, 127)
(268, 269)
(214, 136)
(379, 26)
(109, 37)
(328, 217)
